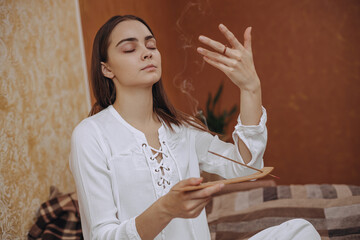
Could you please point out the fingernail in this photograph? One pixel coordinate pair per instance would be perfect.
(199, 49)
(222, 26)
(201, 37)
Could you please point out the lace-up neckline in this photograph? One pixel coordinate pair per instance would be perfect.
(157, 154)
(164, 172)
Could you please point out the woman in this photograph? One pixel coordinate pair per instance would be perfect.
(133, 155)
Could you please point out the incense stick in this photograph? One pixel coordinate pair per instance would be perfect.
(240, 163)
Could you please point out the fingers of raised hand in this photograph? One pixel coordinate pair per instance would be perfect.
(219, 47)
(217, 57)
(230, 37)
(218, 65)
(247, 39)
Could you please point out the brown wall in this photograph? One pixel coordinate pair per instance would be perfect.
(306, 54)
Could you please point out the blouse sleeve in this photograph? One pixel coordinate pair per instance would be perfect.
(99, 214)
(254, 137)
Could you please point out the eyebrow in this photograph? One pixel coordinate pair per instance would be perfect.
(134, 39)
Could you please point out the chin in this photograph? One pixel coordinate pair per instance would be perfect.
(155, 78)
(155, 81)
(151, 81)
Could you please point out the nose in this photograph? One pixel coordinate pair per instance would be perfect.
(147, 54)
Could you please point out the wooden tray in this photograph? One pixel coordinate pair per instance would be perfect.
(257, 175)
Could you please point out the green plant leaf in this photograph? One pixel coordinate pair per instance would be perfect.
(233, 110)
(216, 98)
(208, 102)
(217, 122)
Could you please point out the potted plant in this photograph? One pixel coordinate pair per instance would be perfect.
(216, 120)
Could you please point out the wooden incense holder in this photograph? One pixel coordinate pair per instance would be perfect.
(264, 172)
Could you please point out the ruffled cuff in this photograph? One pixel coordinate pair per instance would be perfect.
(250, 130)
(254, 137)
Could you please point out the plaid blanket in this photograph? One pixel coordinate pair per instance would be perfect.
(334, 210)
(58, 218)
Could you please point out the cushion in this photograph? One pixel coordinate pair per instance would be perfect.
(333, 209)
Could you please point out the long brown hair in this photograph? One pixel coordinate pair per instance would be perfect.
(104, 88)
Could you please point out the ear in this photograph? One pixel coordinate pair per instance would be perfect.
(106, 71)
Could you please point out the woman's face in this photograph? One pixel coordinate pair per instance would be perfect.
(133, 58)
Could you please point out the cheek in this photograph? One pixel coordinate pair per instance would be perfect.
(125, 68)
(158, 59)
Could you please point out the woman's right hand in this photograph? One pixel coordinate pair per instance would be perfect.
(175, 204)
(187, 204)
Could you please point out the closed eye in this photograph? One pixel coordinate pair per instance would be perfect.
(149, 47)
(151, 44)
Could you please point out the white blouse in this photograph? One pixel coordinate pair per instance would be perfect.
(118, 177)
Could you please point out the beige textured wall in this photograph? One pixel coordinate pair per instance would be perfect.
(42, 97)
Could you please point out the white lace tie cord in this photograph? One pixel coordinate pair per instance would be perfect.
(174, 159)
(162, 171)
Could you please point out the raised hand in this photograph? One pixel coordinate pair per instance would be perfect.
(236, 62)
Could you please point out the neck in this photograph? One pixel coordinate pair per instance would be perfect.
(135, 105)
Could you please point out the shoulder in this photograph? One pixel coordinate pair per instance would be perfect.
(84, 134)
(90, 127)
(184, 131)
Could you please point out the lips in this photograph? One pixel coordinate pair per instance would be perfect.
(148, 66)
